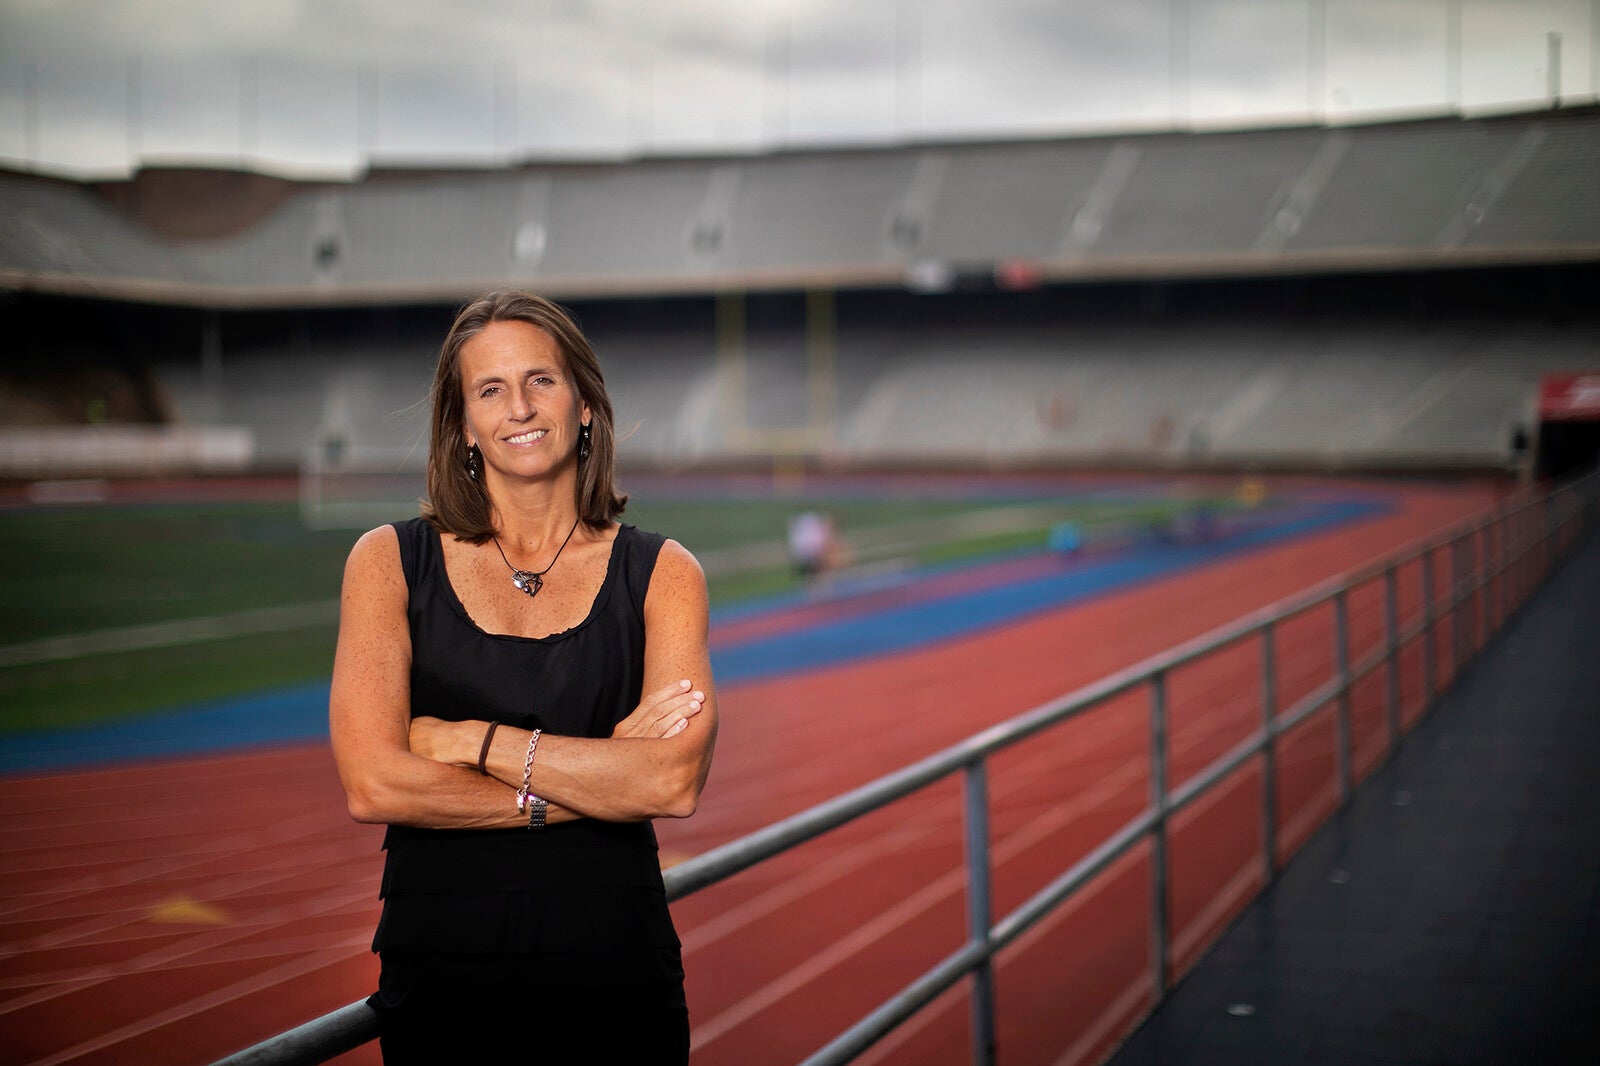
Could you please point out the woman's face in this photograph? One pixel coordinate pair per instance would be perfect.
(519, 406)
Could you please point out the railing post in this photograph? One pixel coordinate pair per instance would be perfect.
(1493, 560)
(1481, 576)
(1502, 607)
(1391, 639)
(1524, 553)
(1158, 842)
(1429, 652)
(1546, 535)
(1269, 754)
(1469, 571)
(1508, 584)
(975, 788)
(1341, 665)
(1511, 545)
(1453, 605)
(1525, 561)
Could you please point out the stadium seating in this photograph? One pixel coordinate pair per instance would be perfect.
(1322, 396)
(329, 398)
(1425, 193)
(1428, 194)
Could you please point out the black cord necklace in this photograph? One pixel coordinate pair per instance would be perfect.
(531, 581)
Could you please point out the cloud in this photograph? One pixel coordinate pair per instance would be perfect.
(482, 79)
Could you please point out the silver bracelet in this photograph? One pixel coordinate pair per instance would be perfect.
(523, 795)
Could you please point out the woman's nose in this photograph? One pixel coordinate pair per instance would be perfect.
(521, 405)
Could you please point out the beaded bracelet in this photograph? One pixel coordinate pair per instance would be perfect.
(483, 752)
(523, 794)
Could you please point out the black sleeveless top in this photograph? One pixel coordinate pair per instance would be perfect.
(584, 885)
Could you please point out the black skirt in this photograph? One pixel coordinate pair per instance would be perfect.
(582, 1007)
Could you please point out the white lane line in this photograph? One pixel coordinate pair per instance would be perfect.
(225, 952)
(90, 921)
(102, 927)
(1018, 948)
(1107, 1018)
(253, 622)
(1207, 925)
(210, 849)
(161, 957)
(1116, 1014)
(81, 803)
(278, 975)
(90, 853)
(157, 873)
(825, 960)
(866, 852)
(1017, 843)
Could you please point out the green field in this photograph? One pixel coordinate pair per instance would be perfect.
(121, 570)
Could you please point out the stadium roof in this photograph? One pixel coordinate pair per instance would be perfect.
(1414, 195)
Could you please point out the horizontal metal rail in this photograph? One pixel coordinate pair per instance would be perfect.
(1566, 507)
(316, 1041)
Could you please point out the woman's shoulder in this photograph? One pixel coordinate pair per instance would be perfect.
(653, 561)
(392, 540)
(375, 544)
(672, 570)
(393, 548)
(375, 562)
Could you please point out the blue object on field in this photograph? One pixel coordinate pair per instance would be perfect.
(1066, 538)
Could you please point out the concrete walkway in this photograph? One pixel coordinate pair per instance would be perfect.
(1452, 913)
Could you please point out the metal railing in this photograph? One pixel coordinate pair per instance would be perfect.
(1491, 566)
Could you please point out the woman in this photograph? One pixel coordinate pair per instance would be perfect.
(521, 684)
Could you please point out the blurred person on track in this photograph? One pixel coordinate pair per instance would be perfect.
(812, 543)
(517, 729)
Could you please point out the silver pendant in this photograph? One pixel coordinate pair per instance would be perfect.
(527, 581)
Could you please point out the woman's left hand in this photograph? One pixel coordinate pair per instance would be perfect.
(662, 714)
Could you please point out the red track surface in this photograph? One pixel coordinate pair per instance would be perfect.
(177, 911)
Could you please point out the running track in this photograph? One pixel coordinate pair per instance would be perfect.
(175, 910)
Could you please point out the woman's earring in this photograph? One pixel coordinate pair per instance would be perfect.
(472, 461)
(583, 442)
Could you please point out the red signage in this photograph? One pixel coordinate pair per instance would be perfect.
(1570, 397)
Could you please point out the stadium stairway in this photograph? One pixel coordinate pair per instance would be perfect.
(1451, 913)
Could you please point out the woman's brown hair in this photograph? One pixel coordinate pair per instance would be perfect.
(459, 504)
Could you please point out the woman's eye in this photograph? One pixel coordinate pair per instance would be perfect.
(490, 391)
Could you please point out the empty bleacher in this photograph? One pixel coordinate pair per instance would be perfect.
(1310, 395)
(1303, 387)
(1418, 194)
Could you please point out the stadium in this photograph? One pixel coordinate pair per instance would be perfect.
(1192, 490)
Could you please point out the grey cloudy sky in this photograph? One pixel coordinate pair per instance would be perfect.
(319, 86)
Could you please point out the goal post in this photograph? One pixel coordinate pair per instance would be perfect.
(360, 486)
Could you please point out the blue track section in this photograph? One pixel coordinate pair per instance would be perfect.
(300, 712)
(901, 628)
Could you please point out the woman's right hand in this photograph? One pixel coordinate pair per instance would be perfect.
(664, 713)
